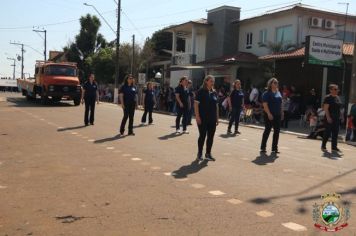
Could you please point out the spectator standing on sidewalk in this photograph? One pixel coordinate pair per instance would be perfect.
(207, 116)
(90, 95)
(273, 114)
(191, 102)
(285, 107)
(331, 106)
(235, 101)
(182, 98)
(148, 103)
(128, 99)
(353, 117)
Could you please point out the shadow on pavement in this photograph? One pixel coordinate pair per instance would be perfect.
(139, 126)
(71, 128)
(332, 155)
(116, 137)
(264, 200)
(228, 135)
(22, 102)
(264, 159)
(194, 167)
(168, 136)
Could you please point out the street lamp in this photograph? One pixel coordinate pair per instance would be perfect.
(89, 5)
(116, 91)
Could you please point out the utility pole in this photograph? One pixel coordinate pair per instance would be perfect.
(133, 54)
(117, 67)
(22, 52)
(45, 42)
(13, 65)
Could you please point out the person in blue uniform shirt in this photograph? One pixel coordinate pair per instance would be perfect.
(235, 101)
(182, 99)
(273, 114)
(128, 99)
(148, 103)
(207, 116)
(90, 95)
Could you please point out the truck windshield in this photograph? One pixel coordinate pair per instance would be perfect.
(61, 70)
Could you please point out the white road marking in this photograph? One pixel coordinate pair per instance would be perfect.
(3, 187)
(156, 168)
(60, 127)
(170, 174)
(182, 179)
(117, 151)
(145, 163)
(245, 159)
(126, 155)
(294, 226)
(198, 186)
(285, 148)
(85, 137)
(234, 201)
(110, 148)
(42, 119)
(74, 133)
(136, 159)
(227, 154)
(264, 214)
(91, 140)
(244, 139)
(216, 193)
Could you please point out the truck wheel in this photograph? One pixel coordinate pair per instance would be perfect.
(76, 101)
(56, 99)
(44, 100)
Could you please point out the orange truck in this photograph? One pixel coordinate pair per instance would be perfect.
(52, 82)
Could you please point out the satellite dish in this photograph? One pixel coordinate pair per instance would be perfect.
(19, 58)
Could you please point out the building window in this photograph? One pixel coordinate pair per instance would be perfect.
(263, 37)
(349, 36)
(249, 40)
(284, 35)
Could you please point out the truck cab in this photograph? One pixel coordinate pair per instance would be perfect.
(56, 81)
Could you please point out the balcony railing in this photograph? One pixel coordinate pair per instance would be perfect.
(184, 59)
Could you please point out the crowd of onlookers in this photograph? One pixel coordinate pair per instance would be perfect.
(305, 108)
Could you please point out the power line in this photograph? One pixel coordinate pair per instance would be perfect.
(133, 24)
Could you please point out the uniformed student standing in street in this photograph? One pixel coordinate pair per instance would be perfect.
(90, 95)
(148, 103)
(207, 116)
(128, 99)
(236, 101)
(182, 98)
(331, 106)
(273, 114)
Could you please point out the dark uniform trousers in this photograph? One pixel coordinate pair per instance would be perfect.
(129, 113)
(149, 110)
(235, 117)
(333, 130)
(182, 112)
(89, 106)
(269, 124)
(206, 129)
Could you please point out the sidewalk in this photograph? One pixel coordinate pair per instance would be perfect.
(294, 127)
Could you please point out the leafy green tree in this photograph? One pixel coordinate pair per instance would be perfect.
(87, 42)
(103, 65)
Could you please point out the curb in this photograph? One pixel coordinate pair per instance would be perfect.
(340, 139)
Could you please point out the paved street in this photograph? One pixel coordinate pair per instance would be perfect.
(58, 177)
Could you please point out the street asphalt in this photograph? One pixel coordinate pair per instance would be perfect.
(58, 177)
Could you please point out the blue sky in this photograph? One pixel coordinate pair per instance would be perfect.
(139, 17)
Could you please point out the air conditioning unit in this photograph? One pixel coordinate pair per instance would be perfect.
(315, 22)
(329, 24)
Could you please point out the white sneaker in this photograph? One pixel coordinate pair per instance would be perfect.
(186, 132)
(177, 131)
